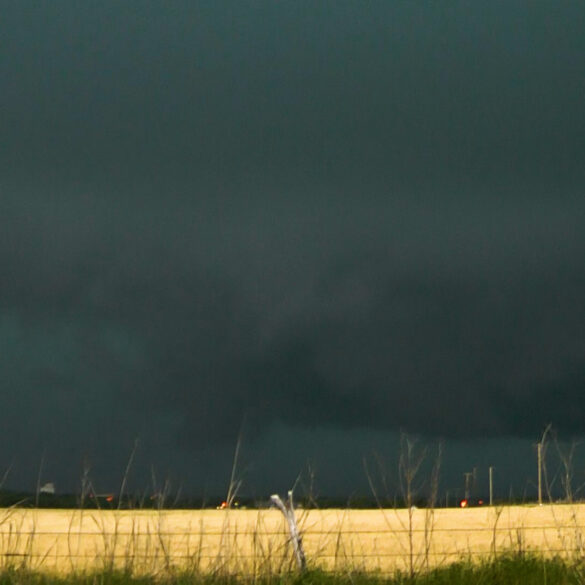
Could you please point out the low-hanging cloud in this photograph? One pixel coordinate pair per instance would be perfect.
(438, 325)
(235, 215)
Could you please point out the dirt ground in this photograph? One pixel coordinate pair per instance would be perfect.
(253, 541)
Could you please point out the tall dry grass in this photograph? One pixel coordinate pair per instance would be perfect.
(256, 542)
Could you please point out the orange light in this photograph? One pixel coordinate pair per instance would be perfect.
(463, 503)
(109, 498)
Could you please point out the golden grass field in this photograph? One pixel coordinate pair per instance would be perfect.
(255, 541)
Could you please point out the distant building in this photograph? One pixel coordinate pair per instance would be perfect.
(48, 488)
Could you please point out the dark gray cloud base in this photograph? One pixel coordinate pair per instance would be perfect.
(336, 215)
(445, 327)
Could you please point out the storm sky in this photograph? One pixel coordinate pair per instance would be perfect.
(314, 224)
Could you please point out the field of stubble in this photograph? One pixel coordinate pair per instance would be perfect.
(255, 541)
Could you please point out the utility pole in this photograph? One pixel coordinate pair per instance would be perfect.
(491, 485)
(468, 475)
(539, 451)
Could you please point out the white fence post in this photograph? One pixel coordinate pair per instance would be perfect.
(295, 537)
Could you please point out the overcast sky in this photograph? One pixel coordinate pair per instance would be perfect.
(317, 223)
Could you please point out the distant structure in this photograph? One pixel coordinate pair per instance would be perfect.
(48, 488)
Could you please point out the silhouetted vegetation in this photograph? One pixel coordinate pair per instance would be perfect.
(525, 570)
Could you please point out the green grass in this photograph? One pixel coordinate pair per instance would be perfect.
(528, 570)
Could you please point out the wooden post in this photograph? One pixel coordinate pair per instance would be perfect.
(295, 537)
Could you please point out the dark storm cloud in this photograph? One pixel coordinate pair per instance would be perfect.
(393, 93)
(335, 214)
(423, 319)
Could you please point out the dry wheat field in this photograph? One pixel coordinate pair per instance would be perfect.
(256, 541)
